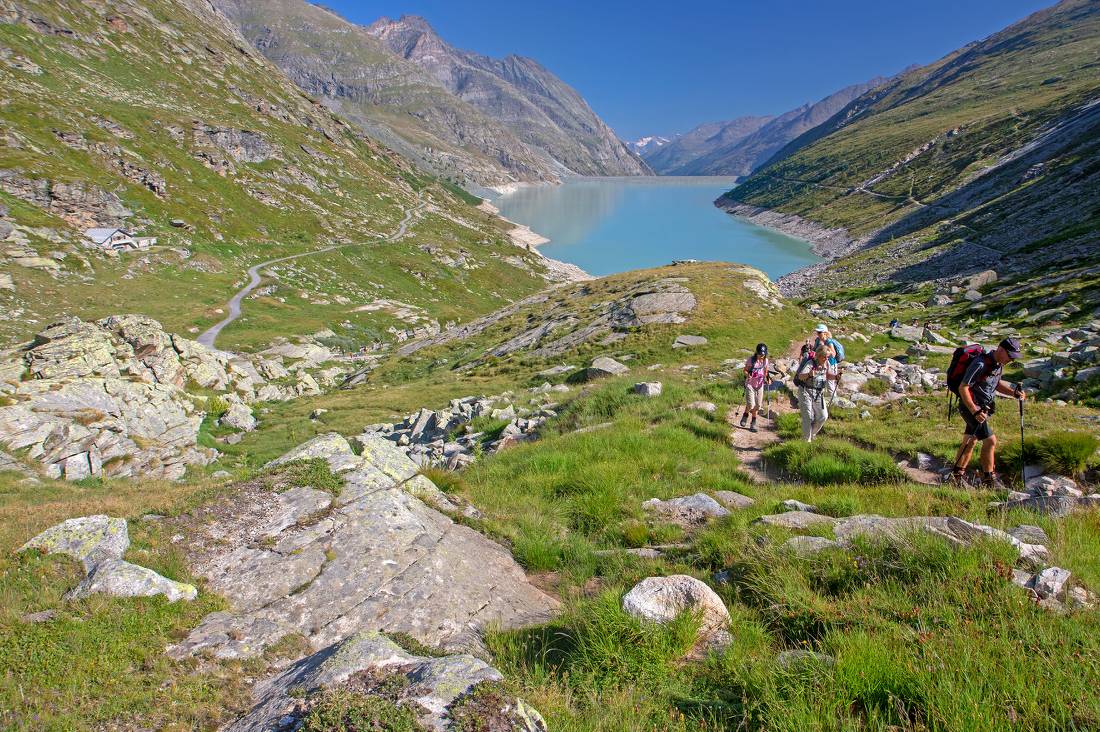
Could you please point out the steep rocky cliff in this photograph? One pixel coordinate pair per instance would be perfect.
(469, 118)
(542, 110)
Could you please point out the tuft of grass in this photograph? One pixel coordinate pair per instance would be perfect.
(831, 461)
(1067, 453)
(445, 480)
(344, 710)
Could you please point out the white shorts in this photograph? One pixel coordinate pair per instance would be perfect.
(754, 398)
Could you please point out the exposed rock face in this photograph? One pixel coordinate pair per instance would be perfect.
(796, 520)
(561, 325)
(491, 122)
(663, 599)
(374, 558)
(108, 398)
(433, 685)
(80, 205)
(541, 109)
(98, 542)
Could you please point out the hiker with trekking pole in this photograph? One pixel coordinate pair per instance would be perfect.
(812, 377)
(757, 380)
(974, 376)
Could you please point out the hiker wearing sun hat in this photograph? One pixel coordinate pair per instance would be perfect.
(977, 388)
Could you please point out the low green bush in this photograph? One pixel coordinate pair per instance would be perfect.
(1067, 453)
(216, 407)
(341, 710)
(876, 387)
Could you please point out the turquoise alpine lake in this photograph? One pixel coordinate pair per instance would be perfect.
(609, 225)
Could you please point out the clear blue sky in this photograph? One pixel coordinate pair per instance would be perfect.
(660, 67)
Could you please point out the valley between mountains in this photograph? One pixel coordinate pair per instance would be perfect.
(297, 433)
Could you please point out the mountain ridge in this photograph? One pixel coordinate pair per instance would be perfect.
(412, 110)
(978, 160)
(740, 146)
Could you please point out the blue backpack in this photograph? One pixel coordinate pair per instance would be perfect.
(839, 349)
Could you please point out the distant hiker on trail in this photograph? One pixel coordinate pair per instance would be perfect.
(813, 377)
(756, 380)
(894, 323)
(975, 375)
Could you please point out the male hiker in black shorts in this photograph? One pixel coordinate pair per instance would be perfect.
(977, 396)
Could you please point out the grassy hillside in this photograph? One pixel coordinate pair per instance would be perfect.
(921, 635)
(986, 157)
(157, 112)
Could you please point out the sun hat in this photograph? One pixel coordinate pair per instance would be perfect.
(821, 328)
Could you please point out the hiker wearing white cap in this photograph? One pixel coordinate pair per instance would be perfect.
(813, 377)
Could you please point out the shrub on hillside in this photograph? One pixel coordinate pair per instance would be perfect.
(1067, 453)
(826, 462)
(216, 407)
(341, 710)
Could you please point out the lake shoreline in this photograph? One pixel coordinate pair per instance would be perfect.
(608, 225)
(525, 238)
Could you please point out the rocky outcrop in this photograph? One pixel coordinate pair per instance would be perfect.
(111, 398)
(366, 664)
(98, 543)
(562, 325)
(81, 205)
(372, 557)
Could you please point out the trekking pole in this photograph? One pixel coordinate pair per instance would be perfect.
(1023, 472)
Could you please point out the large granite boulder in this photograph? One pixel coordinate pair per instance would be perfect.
(663, 599)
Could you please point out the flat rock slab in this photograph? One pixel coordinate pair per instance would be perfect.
(796, 520)
(687, 511)
(378, 558)
(807, 545)
(689, 341)
(732, 499)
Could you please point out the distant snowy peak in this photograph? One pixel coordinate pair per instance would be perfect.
(648, 144)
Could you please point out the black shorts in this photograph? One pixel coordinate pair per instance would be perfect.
(974, 428)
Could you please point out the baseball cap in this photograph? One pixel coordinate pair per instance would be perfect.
(821, 328)
(1012, 345)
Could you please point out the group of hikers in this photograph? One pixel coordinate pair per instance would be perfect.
(974, 377)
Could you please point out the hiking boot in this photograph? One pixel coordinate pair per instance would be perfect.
(744, 419)
(958, 478)
(752, 427)
(991, 481)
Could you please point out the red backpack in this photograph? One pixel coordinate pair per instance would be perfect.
(960, 362)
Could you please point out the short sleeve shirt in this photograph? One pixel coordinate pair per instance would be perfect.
(982, 376)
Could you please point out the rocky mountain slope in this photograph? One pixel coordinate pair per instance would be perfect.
(157, 116)
(740, 146)
(491, 132)
(985, 158)
(540, 108)
(677, 156)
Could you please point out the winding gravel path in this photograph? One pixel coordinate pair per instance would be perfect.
(210, 336)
